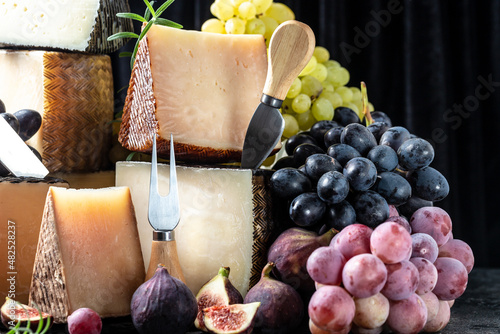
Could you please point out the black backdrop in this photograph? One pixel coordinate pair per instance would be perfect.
(434, 67)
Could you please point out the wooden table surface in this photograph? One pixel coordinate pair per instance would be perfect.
(477, 311)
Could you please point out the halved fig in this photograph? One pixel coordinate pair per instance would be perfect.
(13, 312)
(230, 319)
(217, 292)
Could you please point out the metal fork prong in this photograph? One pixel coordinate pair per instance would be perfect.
(173, 174)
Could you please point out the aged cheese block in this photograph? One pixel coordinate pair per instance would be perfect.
(77, 25)
(88, 253)
(202, 87)
(225, 219)
(74, 93)
(101, 179)
(21, 209)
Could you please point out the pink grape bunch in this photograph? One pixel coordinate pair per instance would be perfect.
(399, 276)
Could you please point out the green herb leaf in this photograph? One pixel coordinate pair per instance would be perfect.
(162, 8)
(143, 33)
(132, 16)
(123, 34)
(168, 23)
(125, 54)
(147, 13)
(130, 156)
(150, 7)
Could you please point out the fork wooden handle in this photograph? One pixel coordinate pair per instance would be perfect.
(165, 253)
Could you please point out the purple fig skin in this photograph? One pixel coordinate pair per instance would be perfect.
(290, 252)
(281, 309)
(163, 304)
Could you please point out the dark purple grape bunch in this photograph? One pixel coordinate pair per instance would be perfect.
(26, 123)
(342, 172)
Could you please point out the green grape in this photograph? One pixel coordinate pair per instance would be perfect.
(271, 25)
(235, 25)
(269, 161)
(262, 5)
(354, 108)
(327, 86)
(356, 93)
(320, 72)
(311, 65)
(295, 88)
(305, 120)
(236, 3)
(321, 54)
(213, 25)
(222, 10)
(286, 107)
(311, 86)
(291, 126)
(345, 93)
(338, 76)
(246, 10)
(334, 98)
(255, 26)
(301, 103)
(331, 63)
(322, 109)
(280, 12)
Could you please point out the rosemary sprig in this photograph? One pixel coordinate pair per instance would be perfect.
(150, 17)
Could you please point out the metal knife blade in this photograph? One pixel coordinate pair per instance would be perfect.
(290, 49)
(16, 156)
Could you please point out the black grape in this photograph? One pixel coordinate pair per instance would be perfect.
(2, 107)
(378, 129)
(319, 129)
(35, 152)
(333, 187)
(30, 122)
(343, 153)
(303, 151)
(380, 116)
(12, 120)
(359, 137)
(429, 184)
(339, 215)
(371, 208)
(332, 136)
(318, 164)
(296, 140)
(393, 187)
(394, 137)
(384, 158)
(415, 153)
(284, 162)
(289, 182)
(413, 204)
(307, 209)
(361, 173)
(345, 116)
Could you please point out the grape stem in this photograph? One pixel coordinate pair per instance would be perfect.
(366, 110)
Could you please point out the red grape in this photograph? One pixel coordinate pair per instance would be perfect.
(331, 308)
(428, 275)
(402, 280)
(391, 242)
(434, 221)
(364, 275)
(353, 240)
(432, 304)
(371, 312)
(440, 320)
(423, 245)
(84, 321)
(459, 250)
(407, 315)
(401, 221)
(325, 265)
(452, 278)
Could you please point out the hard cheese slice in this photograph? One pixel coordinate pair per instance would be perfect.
(202, 87)
(21, 209)
(77, 25)
(225, 219)
(74, 94)
(88, 253)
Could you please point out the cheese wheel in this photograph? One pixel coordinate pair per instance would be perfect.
(226, 219)
(74, 94)
(77, 25)
(201, 87)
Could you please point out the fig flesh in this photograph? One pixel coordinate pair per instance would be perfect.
(219, 291)
(13, 312)
(163, 304)
(230, 319)
(290, 252)
(281, 307)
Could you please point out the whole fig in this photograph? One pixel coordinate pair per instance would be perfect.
(290, 252)
(281, 308)
(163, 304)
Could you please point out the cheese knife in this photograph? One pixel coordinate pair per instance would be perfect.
(163, 216)
(16, 156)
(290, 49)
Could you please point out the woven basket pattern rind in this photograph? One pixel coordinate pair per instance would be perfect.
(263, 224)
(48, 288)
(108, 24)
(78, 105)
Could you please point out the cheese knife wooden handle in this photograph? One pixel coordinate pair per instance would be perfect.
(165, 253)
(290, 49)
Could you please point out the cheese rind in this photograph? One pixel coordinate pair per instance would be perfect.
(88, 253)
(204, 93)
(225, 219)
(19, 230)
(77, 25)
(74, 94)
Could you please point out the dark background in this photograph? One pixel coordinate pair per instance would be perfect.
(434, 68)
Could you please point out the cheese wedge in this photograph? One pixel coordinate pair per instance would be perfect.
(225, 220)
(201, 87)
(21, 209)
(77, 25)
(74, 94)
(88, 253)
